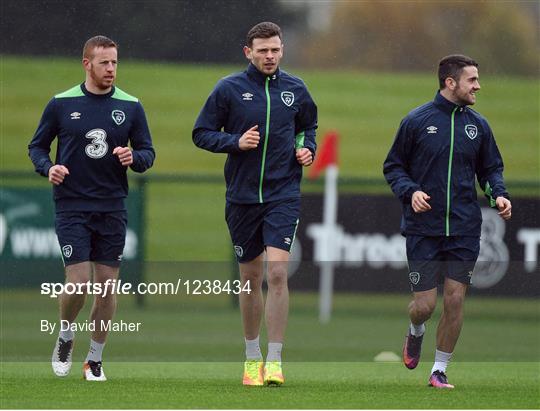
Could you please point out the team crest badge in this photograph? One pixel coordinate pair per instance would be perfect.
(67, 250)
(118, 116)
(414, 277)
(238, 250)
(288, 98)
(471, 131)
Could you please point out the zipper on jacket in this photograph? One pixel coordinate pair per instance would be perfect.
(267, 135)
(449, 183)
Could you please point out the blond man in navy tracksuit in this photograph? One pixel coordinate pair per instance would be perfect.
(101, 132)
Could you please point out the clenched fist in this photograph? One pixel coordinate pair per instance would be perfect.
(250, 139)
(57, 173)
(124, 155)
(505, 207)
(304, 156)
(419, 202)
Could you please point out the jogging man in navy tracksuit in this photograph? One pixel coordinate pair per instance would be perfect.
(439, 149)
(94, 123)
(265, 120)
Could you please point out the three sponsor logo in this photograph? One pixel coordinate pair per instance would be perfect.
(98, 147)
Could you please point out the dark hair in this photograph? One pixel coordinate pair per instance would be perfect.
(452, 66)
(263, 30)
(97, 41)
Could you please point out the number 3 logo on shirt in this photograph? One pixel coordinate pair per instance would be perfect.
(98, 147)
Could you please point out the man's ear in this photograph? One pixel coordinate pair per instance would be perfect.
(450, 83)
(248, 52)
(86, 63)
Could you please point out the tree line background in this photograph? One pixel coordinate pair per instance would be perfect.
(368, 35)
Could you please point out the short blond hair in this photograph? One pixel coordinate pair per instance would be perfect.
(95, 42)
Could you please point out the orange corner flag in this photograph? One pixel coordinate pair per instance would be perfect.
(327, 155)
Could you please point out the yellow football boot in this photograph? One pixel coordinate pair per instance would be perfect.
(273, 374)
(253, 373)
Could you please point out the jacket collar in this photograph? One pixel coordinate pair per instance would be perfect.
(446, 105)
(90, 94)
(259, 77)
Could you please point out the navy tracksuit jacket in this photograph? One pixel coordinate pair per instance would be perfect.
(88, 127)
(439, 149)
(287, 118)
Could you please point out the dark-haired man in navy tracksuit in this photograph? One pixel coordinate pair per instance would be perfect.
(438, 151)
(95, 124)
(265, 120)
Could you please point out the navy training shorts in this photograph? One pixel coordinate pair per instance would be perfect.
(431, 259)
(91, 236)
(253, 227)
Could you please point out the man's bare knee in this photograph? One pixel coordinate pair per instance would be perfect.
(454, 296)
(424, 306)
(103, 272)
(252, 271)
(277, 275)
(78, 273)
(454, 299)
(253, 276)
(105, 301)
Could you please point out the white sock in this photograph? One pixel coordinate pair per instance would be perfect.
(417, 330)
(95, 351)
(66, 335)
(441, 361)
(253, 350)
(274, 352)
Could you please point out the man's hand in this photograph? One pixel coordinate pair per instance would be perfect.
(419, 202)
(124, 155)
(250, 139)
(505, 207)
(57, 173)
(304, 156)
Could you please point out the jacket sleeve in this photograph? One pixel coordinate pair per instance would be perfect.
(396, 165)
(306, 124)
(490, 167)
(40, 146)
(141, 143)
(207, 132)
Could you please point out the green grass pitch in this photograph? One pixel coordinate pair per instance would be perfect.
(309, 386)
(189, 354)
(189, 351)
